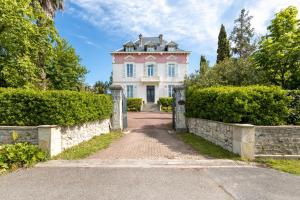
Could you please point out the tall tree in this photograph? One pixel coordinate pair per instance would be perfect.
(51, 6)
(279, 51)
(22, 40)
(242, 35)
(65, 72)
(223, 51)
(203, 66)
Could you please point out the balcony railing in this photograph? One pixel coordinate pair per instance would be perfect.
(150, 79)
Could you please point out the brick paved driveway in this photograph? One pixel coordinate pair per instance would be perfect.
(149, 137)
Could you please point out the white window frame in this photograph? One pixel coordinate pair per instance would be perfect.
(129, 91)
(170, 90)
(129, 49)
(172, 49)
(150, 48)
(129, 73)
(172, 72)
(148, 70)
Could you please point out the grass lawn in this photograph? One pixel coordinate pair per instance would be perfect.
(285, 165)
(89, 147)
(207, 148)
(211, 150)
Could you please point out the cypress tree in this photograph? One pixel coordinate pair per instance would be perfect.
(223, 51)
(203, 66)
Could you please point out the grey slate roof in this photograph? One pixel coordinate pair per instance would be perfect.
(140, 45)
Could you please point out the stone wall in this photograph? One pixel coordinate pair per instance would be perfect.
(216, 132)
(54, 139)
(25, 133)
(277, 140)
(73, 135)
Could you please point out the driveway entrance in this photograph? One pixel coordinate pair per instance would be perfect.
(149, 137)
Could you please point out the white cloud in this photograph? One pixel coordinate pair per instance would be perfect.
(194, 24)
(264, 10)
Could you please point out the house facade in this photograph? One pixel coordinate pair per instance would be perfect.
(149, 67)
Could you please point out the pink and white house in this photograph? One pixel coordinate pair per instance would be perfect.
(149, 67)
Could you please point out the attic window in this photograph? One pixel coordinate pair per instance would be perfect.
(129, 49)
(172, 48)
(150, 48)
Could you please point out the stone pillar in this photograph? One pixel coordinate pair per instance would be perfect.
(117, 118)
(49, 139)
(244, 140)
(180, 123)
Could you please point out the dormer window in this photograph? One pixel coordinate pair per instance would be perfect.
(150, 48)
(129, 49)
(171, 48)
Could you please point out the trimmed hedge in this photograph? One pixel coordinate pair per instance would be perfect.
(294, 117)
(32, 107)
(134, 104)
(166, 103)
(258, 105)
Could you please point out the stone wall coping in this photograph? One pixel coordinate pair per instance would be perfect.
(17, 127)
(279, 126)
(115, 87)
(228, 124)
(244, 125)
(48, 126)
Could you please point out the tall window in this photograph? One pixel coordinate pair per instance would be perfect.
(129, 70)
(171, 70)
(150, 70)
(129, 91)
(170, 90)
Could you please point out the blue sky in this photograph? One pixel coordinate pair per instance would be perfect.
(97, 27)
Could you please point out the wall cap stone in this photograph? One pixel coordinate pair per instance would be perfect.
(243, 125)
(17, 127)
(47, 126)
(279, 126)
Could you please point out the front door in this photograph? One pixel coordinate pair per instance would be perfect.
(150, 94)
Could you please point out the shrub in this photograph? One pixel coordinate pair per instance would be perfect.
(33, 107)
(134, 104)
(259, 105)
(17, 155)
(294, 117)
(166, 103)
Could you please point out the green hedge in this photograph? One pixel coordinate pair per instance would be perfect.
(166, 103)
(33, 107)
(134, 104)
(259, 105)
(294, 117)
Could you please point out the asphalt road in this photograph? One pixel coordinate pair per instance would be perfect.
(100, 183)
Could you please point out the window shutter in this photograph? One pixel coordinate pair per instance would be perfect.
(134, 91)
(124, 71)
(176, 70)
(165, 91)
(167, 70)
(134, 71)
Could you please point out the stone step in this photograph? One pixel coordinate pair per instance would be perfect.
(150, 107)
(97, 163)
